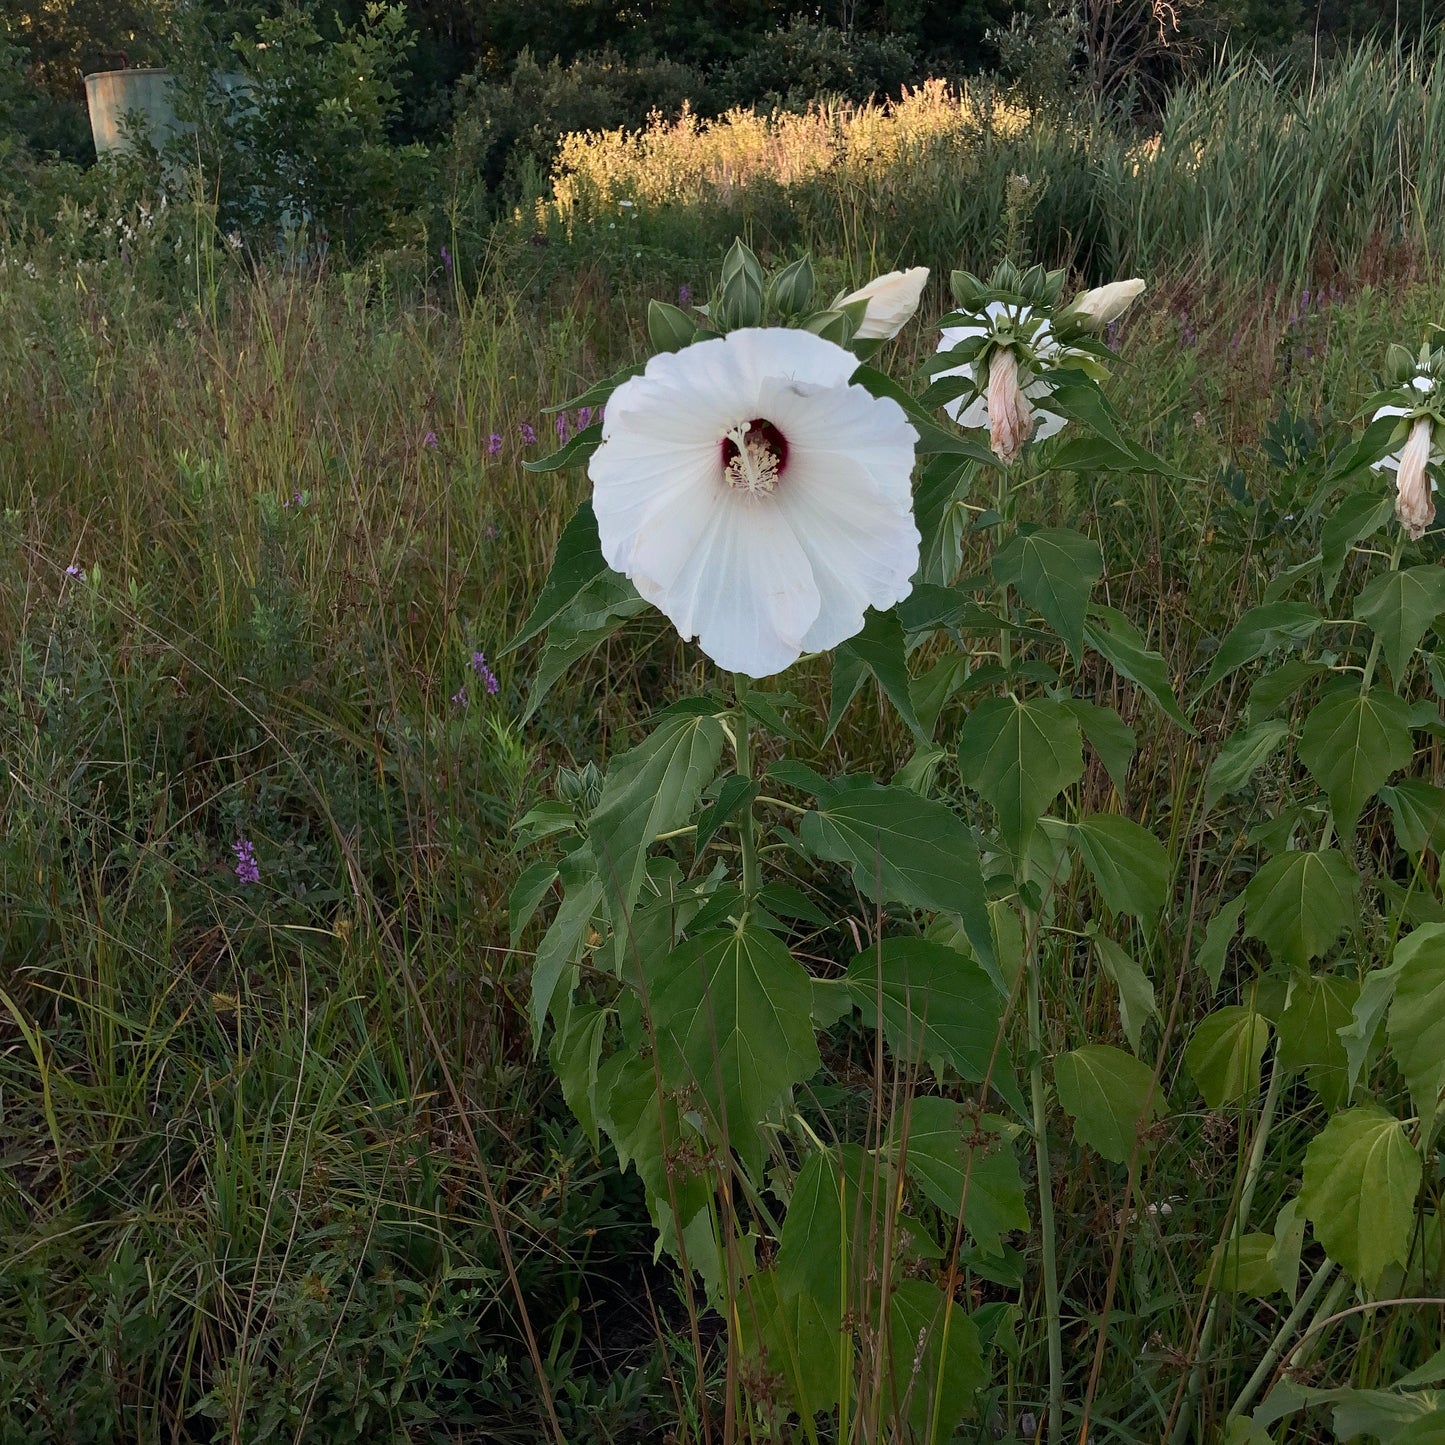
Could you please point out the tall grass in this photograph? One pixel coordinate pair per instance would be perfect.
(1250, 173)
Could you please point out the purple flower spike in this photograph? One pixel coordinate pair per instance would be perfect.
(494, 445)
(447, 261)
(246, 868)
(74, 571)
(684, 295)
(529, 435)
(584, 417)
(430, 441)
(459, 698)
(488, 677)
(562, 426)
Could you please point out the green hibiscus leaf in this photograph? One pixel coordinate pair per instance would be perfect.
(1356, 516)
(938, 1006)
(1108, 1094)
(1020, 756)
(877, 651)
(1241, 757)
(1110, 633)
(1400, 607)
(1136, 993)
(731, 1010)
(1127, 863)
(1242, 1266)
(1418, 811)
(904, 849)
(1260, 631)
(1224, 1055)
(1361, 1178)
(1309, 1032)
(950, 1150)
(1299, 903)
(935, 1361)
(1111, 738)
(1351, 744)
(565, 939)
(1416, 1024)
(1218, 935)
(1054, 571)
(651, 789)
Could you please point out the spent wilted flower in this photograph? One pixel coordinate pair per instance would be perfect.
(494, 444)
(756, 497)
(529, 435)
(1414, 488)
(246, 868)
(892, 300)
(1008, 392)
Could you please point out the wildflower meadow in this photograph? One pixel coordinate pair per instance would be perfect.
(793, 796)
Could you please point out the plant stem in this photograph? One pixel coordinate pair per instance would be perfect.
(1282, 1338)
(1374, 657)
(1241, 1218)
(1049, 1261)
(742, 750)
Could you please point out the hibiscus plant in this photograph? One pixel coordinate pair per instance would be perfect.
(807, 1008)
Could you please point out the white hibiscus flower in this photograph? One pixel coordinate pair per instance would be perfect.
(1018, 389)
(755, 497)
(1414, 487)
(892, 299)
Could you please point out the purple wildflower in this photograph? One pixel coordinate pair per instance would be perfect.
(74, 571)
(684, 295)
(494, 444)
(459, 697)
(529, 435)
(447, 262)
(246, 869)
(562, 426)
(1110, 333)
(430, 441)
(584, 417)
(488, 677)
(489, 532)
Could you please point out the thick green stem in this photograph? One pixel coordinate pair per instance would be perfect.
(1053, 1322)
(747, 835)
(1374, 657)
(1281, 1340)
(1241, 1219)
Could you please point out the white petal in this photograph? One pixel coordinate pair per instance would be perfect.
(847, 495)
(747, 593)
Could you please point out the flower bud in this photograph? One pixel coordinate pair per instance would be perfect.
(1097, 308)
(1010, 417)
(892, 299)
(1414, 505)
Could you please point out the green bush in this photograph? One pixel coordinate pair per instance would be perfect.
(305, 143)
